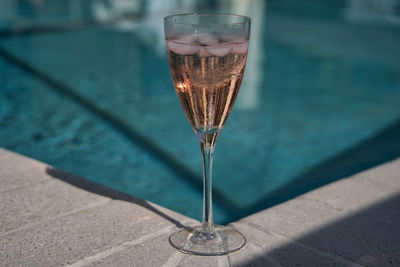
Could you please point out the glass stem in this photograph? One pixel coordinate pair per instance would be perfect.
(207, 144)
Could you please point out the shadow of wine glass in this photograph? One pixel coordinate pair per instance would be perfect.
(102, 190)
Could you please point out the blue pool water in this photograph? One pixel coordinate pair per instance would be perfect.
(85, 86)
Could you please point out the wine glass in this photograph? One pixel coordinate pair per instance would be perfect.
(207, 56)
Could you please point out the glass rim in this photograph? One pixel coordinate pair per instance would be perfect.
(167, 19)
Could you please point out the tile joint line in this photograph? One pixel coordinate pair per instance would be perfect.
(119, 248)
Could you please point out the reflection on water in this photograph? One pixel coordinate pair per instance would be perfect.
(150, 26)
(251, 86)
(107, 10)
(373, 11)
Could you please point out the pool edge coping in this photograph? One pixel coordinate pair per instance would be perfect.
(276, 225)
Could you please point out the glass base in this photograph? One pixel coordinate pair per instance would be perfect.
(193, 240)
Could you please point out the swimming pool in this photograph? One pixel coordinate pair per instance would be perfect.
(85, 86)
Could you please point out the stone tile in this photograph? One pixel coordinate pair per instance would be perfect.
(325, 206)
(41, 202)
(78, 236)
(199, 261)
(295, 217)
(259, 237)
(294, 255)
(250, 255)
(175, 259)
(152, 252)
(388, 173)
(352, 194)
(172, 216)
(355, 219)
(369, 236)
(17, 170)
(267, 249)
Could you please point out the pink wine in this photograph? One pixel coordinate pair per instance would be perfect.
(207, 71)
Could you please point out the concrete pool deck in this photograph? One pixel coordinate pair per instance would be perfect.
(52, 218)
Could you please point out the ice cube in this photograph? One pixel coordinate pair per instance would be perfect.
(218, 50)
(232, 39)
(240, 48)
(204, 53)
(186, 39)
(183, 49)
(206, 39)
